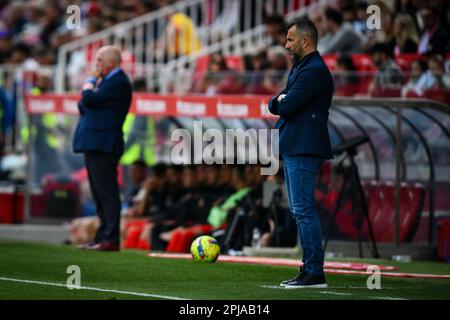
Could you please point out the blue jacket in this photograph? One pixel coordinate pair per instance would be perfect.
(102, 113)
(304, 111)
(6, 112)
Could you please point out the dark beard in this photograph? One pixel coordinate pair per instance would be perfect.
(295, 56)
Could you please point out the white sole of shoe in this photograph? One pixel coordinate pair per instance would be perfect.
(313, 286)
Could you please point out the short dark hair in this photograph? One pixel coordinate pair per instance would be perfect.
(140, 164)
(422, 64)
(380, 47)
(346, 61)
(158, 170)
(307, 26)
(433, 9)
(334, 15)
(22, 47)
(275, 19)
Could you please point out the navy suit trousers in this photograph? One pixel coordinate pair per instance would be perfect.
(102, 174)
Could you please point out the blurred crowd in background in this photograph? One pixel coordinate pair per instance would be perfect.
(35, 29)
(165, 207)
(409, 53)
(408, 56)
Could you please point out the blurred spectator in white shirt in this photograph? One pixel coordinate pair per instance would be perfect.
(344, 38)
(389, 77)
(418, 79)
(437, 69)
(317, 18)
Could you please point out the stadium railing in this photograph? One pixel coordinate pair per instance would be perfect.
(237, 27)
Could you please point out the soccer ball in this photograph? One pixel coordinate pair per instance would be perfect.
(205, 248)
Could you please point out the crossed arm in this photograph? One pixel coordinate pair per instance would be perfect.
(306, 86)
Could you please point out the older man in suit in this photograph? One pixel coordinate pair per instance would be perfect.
(304, 143)
(105, 101)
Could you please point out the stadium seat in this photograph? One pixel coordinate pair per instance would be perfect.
(381, 204)
(443, 239)
(412, 94)
(62, 194)
(437, 94)
(381, 199)
(132, 232)
(363, 62)
(325, 173)
(387, 92)
(330, 60)
(366, 70)
(11, 206)
(411, 205)
(404, 60)
(234, 62)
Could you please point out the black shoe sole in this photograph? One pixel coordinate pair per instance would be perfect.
(312, 286)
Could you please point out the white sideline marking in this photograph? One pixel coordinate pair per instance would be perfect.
(336, 293)
(324, 292)
(272, 287)
(355, 287)
(389, 298)
(140, 294)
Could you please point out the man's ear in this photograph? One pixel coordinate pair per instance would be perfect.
(305, 42)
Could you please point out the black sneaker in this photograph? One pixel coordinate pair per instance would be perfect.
(300, 275)
(307, 280)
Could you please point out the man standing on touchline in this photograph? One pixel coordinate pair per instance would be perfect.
(304, 143)
(104, 104)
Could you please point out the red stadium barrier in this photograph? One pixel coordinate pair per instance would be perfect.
(11, 206)
(222, 106)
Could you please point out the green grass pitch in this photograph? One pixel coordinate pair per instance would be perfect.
(132, 275)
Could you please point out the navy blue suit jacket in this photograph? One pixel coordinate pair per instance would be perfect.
(304, 111)
(102, 113)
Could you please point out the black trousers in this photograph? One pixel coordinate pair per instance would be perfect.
(102, 174)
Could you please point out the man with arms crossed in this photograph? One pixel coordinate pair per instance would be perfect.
(304, 143)
(105, 100)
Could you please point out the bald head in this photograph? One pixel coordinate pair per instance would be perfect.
(107, 58)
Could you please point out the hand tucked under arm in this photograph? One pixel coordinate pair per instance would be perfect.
(281, 97)
(305, 88)
(275, 100)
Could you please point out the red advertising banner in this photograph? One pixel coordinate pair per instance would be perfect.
(219, 106)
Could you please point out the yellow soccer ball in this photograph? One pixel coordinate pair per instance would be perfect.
(205, 248)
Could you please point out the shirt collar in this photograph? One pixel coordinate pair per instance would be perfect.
(304, 59)
(112, 72)
(309, 55)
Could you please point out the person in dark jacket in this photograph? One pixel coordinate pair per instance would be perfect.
(435, 39)
(304, 142)
(6, 120)
(105, 101)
